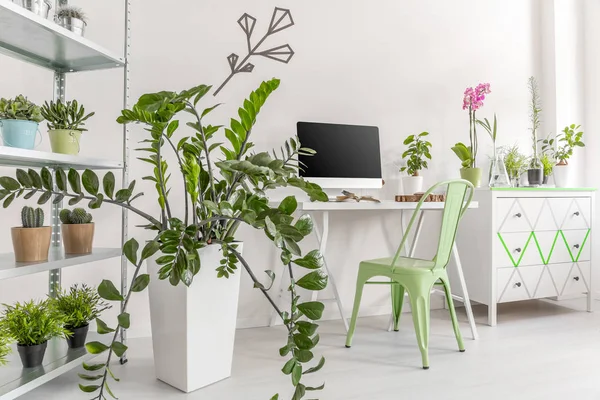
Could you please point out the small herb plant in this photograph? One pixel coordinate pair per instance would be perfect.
(71, 12)
(465, 154)
(32, 218)
(565, 143)
(547, 163)
(32, 323)
(75, 217)
(20, 108)
(515, 162)
(5, 349)
(70, 115)
(417, 154)
(79, 306)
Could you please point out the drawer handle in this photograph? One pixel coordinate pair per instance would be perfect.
(518, 284)
(576, 279)
(576, 246)
(576, 213)
(518, 215)
(518, 250)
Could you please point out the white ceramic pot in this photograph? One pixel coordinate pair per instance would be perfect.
(562, 178)
(412, 184)
(193, 329)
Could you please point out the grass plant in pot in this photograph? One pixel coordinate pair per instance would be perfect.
(31, 241)
(535, 173)
(71, 18)
(516, 164)
(19, 122)
(31, 324)
(561, 148)
(77, 231)
(472, 101)
(218, 197)
(65, 124)
(416, 156)
(78, 307)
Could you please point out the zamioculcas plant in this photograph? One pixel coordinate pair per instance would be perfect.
(219, 197)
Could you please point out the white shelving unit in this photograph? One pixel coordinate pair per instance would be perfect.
(33, 39)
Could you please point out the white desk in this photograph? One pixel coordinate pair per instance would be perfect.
(313, 208)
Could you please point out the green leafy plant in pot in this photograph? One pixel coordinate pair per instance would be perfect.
(535, 173)
(548, 166)
(516, 164)
(19, 122)
(66, 122)
(71, 18)
(561, 148)
(31, 241)
(77, 231)
(78, 306)
(218, 198)
(31, 324)
(416, 156)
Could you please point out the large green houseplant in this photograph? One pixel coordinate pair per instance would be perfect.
(219, 197)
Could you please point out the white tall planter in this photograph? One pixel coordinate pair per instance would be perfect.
(193, 329)
(562, 176)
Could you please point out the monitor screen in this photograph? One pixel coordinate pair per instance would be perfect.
(343, 151)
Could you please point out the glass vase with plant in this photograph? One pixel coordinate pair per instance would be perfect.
(472, 101)
(498, 177)
(78, 306)
(516, 164)
(31, 324)
(218, 197)
(416, 157)
(66, 122)
(535, 173)
(19, 122)
(561, 148)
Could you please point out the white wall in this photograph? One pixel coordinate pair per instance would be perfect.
(400, 65)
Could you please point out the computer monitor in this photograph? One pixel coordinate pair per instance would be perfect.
(348, 156)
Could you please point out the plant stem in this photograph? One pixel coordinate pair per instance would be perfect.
(161, 183)
(181, 167)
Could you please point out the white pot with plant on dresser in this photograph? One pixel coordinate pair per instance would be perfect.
(528, 243)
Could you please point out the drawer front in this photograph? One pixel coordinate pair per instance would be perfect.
(578, 279)
(575, 215)
(516, 249)
(578, 244)
(511, 216)
(510, 285)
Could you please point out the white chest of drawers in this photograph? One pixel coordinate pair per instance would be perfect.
(528, 243)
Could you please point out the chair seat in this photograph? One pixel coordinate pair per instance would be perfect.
(404, 265)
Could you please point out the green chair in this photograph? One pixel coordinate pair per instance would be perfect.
(417, 276)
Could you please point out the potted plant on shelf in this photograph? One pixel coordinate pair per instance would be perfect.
(561, 149)
(65, 125)
(498, 177)
(548, 166)
(71, 18)
(416, 156)
(516, 164)
(31, 325)
(472, 101)
(218, 198)
(77, 231)
(78, 307)
(535, 173)
(19, 122)
(31, 241)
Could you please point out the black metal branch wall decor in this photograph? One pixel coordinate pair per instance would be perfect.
(281, 20)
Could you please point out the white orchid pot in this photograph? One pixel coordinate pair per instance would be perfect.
(562, 176)
(193, 329)
(412, 184)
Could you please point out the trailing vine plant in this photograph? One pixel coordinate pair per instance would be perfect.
(219, 197)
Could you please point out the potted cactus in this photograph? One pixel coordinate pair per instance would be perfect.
(65, 125)
(31, 242)
(19, 121)
(77, 231)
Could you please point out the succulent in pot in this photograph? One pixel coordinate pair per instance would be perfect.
(19, 122)
(417, 154)
(31, 241)
(71, 18)
(66, 121)
(77, 231)
(78, 307)
(31, 324)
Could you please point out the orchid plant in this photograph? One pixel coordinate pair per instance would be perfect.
(472, 101)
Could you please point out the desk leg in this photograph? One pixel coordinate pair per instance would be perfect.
(463, 285)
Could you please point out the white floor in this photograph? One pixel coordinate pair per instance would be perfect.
(539, 350)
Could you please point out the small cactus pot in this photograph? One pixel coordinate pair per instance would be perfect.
(31, 244)
(78, 238)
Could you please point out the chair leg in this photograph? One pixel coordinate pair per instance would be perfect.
(397, 302)
(450, 302)
(360, 284)
(420, 298)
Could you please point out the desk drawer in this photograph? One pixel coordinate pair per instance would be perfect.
(530, 282)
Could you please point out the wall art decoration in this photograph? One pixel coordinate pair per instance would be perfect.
(281, 20)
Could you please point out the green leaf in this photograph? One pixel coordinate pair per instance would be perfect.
(289, 366)
(296, 374)
(130, 249)
(299, 392)
(88, 389)
(61, 179)
(124, 320)
(112, 376)
(292, 246)
(75, 200)
(290, 232)
(173, 125)
(93, 367)
(8, 200)
(315, 280)
(74, 181)
(140, 283)
(304, 355)
(288, 205)
(119, 348)
(35, 178)
(304, 224)
(102, 328)
(306, 328)
(271, 228)
(303, 342)
(108, 389)
(90, 182)
(108, 291)
(313, 260)
(285, 350)
(44, 198)
(47, 179)
(150, 249)
(90, 377)
(313, 310)
(9, 183)
(96, 347)
(308, 388)
(108, 183)
(24, 178)
(316, 367)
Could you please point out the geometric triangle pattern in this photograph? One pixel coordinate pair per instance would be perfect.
(574, 250)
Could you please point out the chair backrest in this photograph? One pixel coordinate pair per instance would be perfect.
(459, 194)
